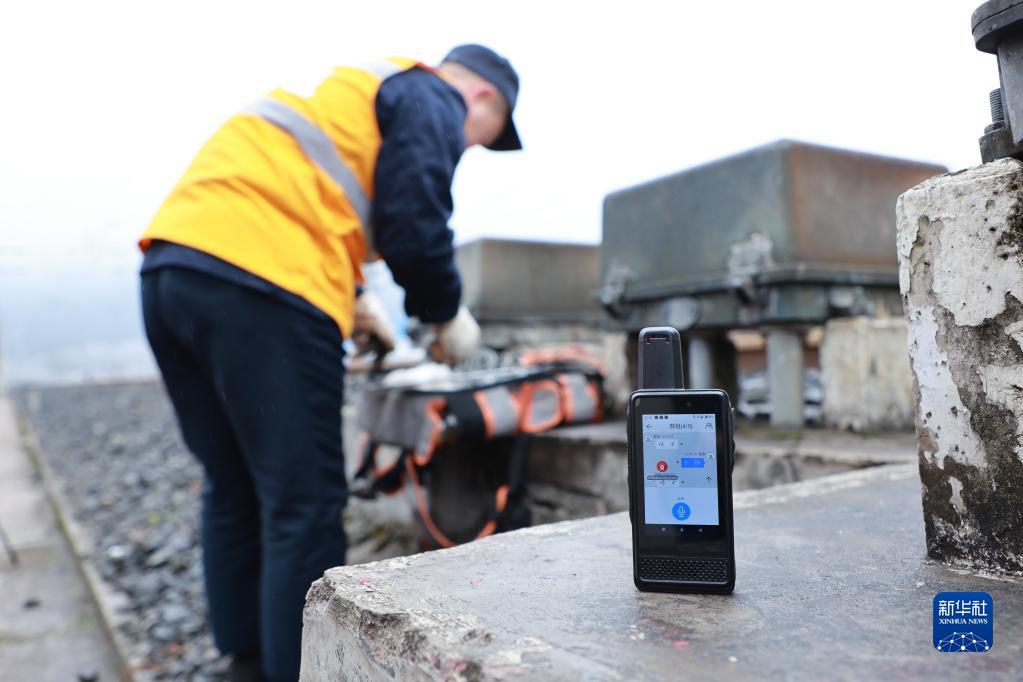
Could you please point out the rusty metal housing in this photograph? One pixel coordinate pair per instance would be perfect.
(785, 233)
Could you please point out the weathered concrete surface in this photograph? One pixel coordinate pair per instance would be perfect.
(833, 583)
(580, 471)
(960, 242)
(865, 374)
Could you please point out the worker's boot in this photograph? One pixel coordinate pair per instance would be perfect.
(245, 669)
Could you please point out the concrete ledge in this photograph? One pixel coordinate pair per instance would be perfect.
(832, 583)
(580, 471)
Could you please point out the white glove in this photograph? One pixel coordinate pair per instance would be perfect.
(372, 324)
(457, 339)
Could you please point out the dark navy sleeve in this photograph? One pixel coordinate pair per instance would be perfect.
(421, 120)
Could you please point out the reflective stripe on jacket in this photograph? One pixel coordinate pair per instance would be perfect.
(283, 189)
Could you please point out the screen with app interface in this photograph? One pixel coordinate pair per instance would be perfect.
(680, 473)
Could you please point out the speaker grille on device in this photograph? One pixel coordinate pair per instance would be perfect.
(691, 570)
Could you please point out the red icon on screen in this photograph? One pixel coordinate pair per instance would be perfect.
(662, 466)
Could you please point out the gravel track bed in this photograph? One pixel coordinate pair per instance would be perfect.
(118, 457)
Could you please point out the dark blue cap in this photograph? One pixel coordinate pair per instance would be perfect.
(496, 70)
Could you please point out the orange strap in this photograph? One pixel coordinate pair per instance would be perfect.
(567, 404)
(526, 400)
(500, 501)
(435, 411)
(489, 428)
(598, 414)
(540, 356)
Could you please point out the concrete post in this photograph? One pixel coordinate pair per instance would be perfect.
(710, 360)
(785, 377)
(700, 363)
(960, 243)
(865, 374)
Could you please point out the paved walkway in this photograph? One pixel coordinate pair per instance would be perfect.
(48, 625)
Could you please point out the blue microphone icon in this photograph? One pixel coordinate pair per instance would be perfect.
(681, 511)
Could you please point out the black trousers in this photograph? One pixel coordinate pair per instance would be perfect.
(257, 388)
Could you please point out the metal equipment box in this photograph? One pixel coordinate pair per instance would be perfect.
(507, 280)
(787, 232)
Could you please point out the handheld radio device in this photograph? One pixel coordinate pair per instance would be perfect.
(681, 454)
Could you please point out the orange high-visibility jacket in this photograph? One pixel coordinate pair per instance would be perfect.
(283, 189)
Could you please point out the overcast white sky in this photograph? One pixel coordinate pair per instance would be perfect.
(105, 102)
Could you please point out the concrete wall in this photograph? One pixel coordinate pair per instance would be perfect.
(960, 243)
(865, 374)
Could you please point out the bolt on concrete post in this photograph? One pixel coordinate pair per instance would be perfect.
(785, 377)
(960, 243)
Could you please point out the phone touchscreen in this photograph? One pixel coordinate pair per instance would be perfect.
(680, 470)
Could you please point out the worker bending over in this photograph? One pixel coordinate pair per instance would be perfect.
(249, 285)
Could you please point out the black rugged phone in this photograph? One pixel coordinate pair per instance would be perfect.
(681, 452)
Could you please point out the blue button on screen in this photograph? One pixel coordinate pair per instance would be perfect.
(681, 511)
(692, 462)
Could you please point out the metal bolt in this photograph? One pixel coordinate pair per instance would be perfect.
(998, 29)
(997, 113)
